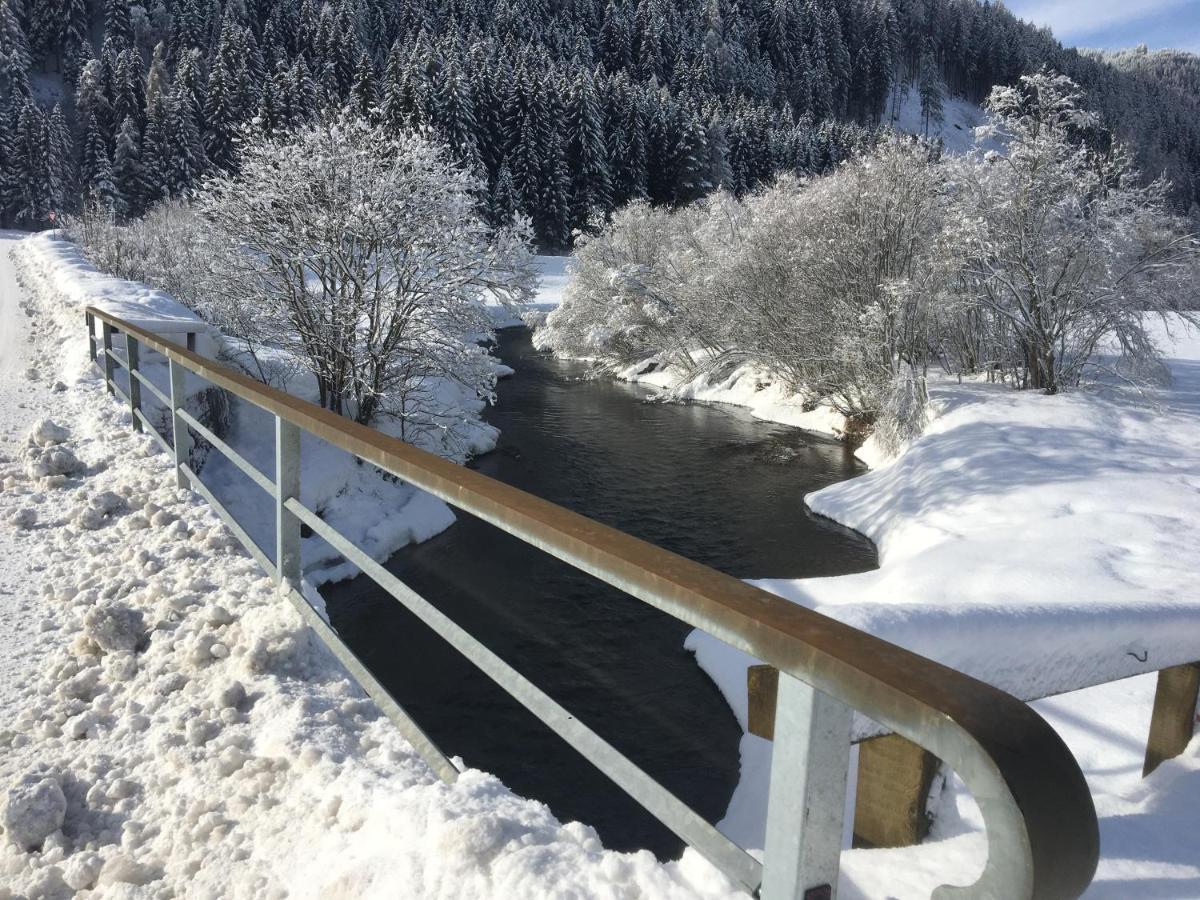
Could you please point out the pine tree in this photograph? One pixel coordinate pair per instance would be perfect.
(128, 177)
(155, 154)
(31, 164)
(75, 38)
(455, 117)
(187, 160)
(364, 98)
(118, 27)
(9, 176)
(14, 55)
(587, 156)
(503, 207)
(60, 162)
(932, 93)
(97, 174)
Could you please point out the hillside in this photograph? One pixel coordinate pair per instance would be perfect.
(567, 108)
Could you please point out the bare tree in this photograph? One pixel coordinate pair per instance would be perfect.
(1069, 252)
(363, 256)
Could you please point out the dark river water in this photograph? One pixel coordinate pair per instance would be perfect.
(708, 482)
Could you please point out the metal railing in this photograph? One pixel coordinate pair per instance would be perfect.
(1042, 836)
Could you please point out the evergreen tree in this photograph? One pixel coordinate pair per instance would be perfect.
(587, 156)
(60, 162)
(187, 160)
(127, 174)
(932, 93)
(14, 55)
(31, 165)
(97, 177)
(118, 27)
(503, 207)
(364, 98)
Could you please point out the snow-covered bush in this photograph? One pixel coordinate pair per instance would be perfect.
(1025, 264)
(364, 257)
(827, 282)
(163, 248)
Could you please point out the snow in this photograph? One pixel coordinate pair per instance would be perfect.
(1043, 544)
(80, 284)
(187, 715)
(960, 118)
(748, 385)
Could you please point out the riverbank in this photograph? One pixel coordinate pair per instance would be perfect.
(1043, 544)
(162, 709)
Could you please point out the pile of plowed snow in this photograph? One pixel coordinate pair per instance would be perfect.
(175, 730)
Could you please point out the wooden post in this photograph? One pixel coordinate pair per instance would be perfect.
(762, 690)
(1174, 719)
(894, 779)
(894, 774)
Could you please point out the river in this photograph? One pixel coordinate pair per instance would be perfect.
(709, 482)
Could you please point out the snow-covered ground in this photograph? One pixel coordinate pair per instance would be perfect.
(168, 727)
(960, 118)
(1042, 544)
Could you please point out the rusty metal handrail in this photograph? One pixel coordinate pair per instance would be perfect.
(1042, 834)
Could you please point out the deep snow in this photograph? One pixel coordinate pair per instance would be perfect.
(226, 736)
(1043, 544)
(202, 745)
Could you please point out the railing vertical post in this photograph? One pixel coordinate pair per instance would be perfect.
(287, 486)
(91, 327)
(181, 439)
(806, 804)
(106, 332)
(135, 386)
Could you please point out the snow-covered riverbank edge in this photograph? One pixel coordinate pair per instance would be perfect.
(182, 734)
(1042, 544)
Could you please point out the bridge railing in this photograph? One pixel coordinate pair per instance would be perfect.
(1042, 836)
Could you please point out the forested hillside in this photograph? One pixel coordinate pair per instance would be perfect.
(568, 108)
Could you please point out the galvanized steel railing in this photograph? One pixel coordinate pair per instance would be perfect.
(1042, 835)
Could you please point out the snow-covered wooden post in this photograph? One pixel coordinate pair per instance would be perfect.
(1173, 721)
(806, 804)
(135, 386)
(181, 440)
(287, 487)
(91, 327)
(106, 331)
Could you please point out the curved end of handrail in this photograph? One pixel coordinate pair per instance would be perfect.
(1043, 839)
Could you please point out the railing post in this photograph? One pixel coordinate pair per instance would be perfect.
(1173, 721)
(181, 439)
(807, 800)
(91, 327)
(135, 386)
(106, 332)
(287, 486)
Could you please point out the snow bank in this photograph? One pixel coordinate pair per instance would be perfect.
(748, 385)
(1042, 544)
(378, 513)
(172, 729)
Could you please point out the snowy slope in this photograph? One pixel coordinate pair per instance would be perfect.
(960, 118)
(169, 728)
